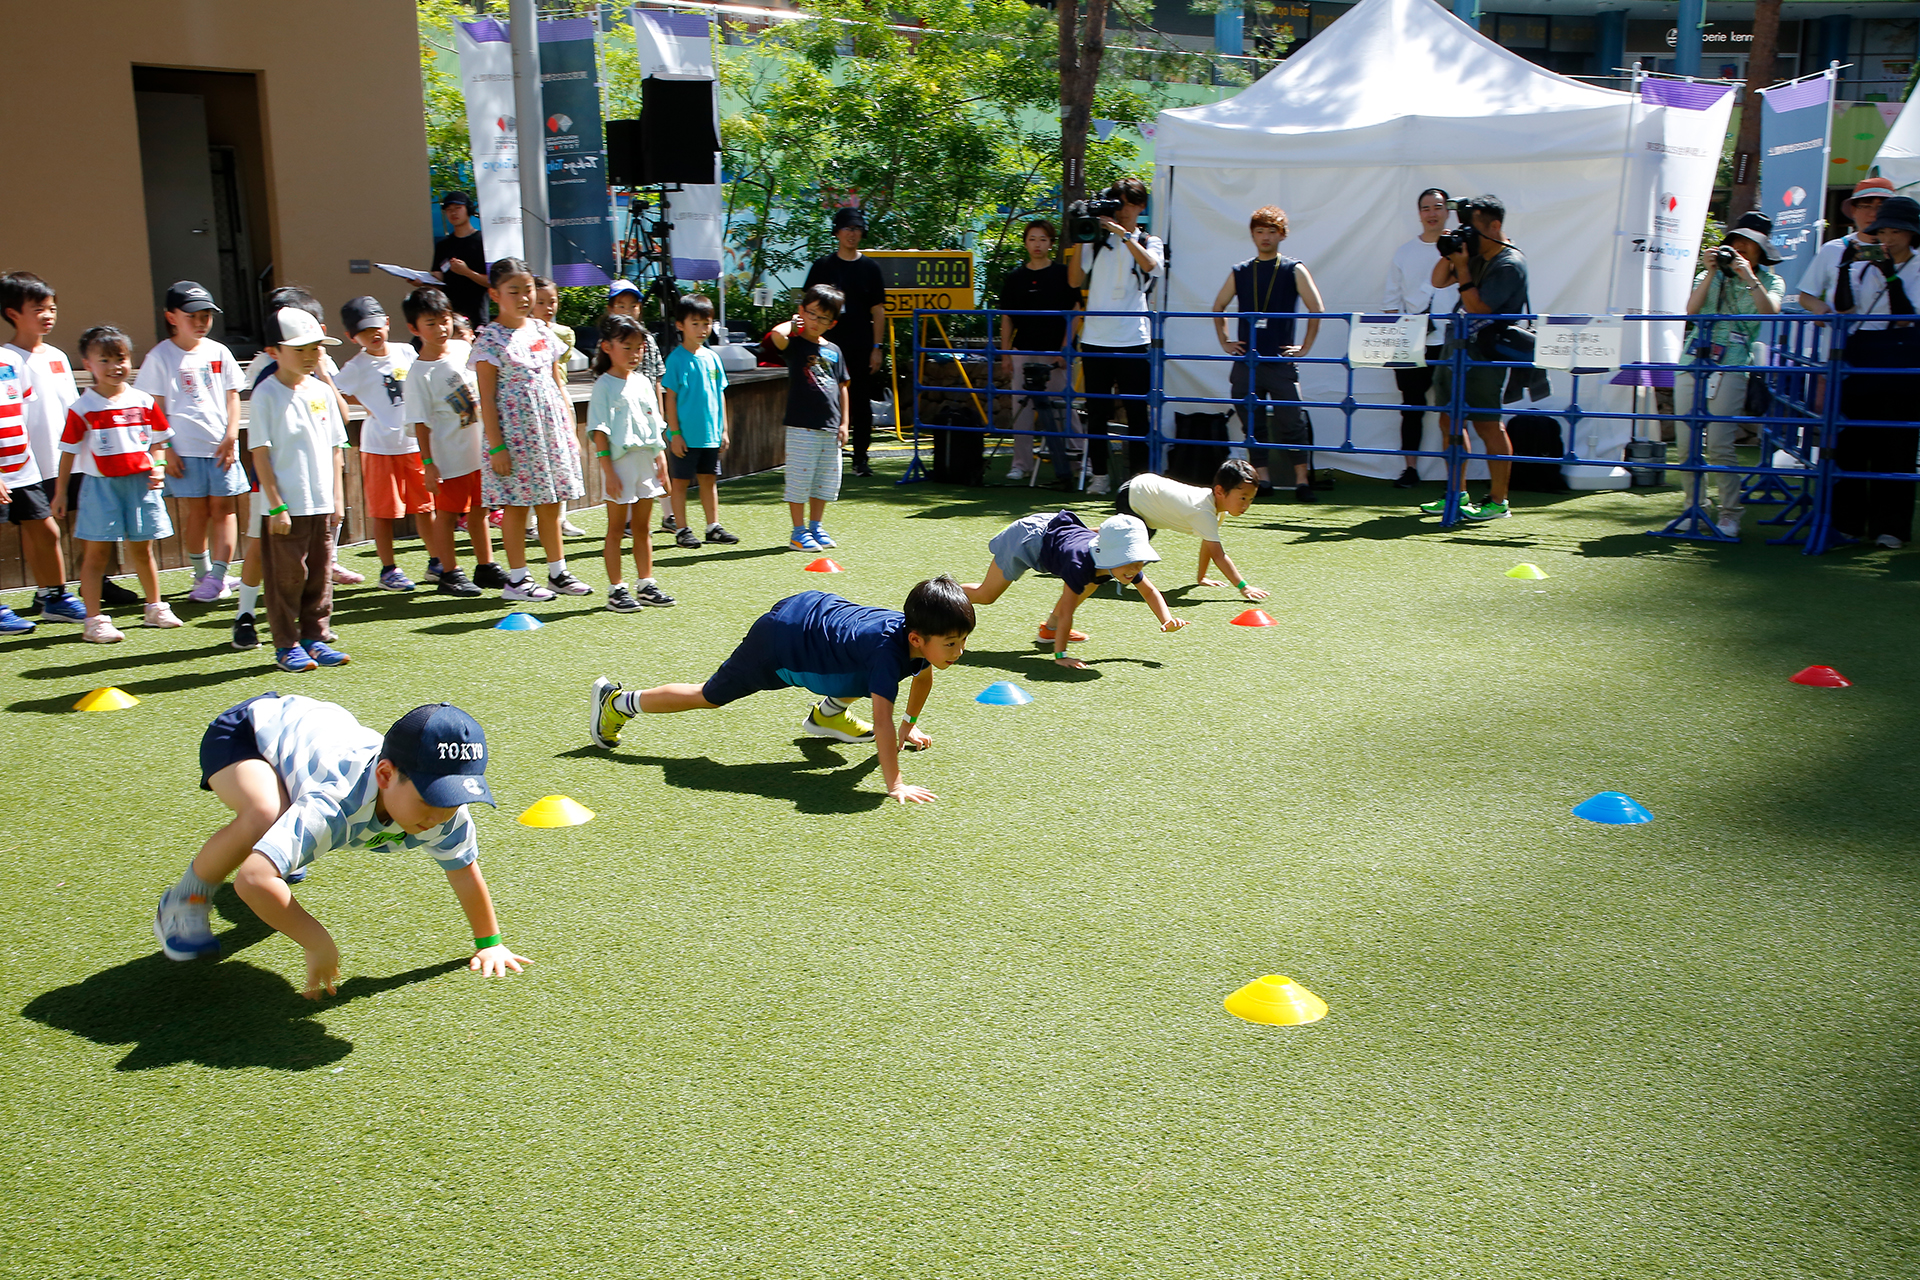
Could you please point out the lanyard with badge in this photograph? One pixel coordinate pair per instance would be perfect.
(1260, 296)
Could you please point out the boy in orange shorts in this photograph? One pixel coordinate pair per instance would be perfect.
(440, 410)
(390, 468)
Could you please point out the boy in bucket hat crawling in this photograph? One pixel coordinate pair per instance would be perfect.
(1062, 547)
(304, 778)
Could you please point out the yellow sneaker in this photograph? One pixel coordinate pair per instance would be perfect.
(845, 727)
(604, 720)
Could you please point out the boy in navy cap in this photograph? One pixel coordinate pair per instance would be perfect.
(303, 778)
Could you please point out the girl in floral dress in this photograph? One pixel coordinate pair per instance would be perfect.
(533, 458)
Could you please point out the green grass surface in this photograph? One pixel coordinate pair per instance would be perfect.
(781, 1027)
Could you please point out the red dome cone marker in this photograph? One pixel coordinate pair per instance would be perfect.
(1254, 618)
(824, 565)
(1821, 678)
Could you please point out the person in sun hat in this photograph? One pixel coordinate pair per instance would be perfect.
(303, 779)
(1885, 284)
(1062, 547)
(1823, 273)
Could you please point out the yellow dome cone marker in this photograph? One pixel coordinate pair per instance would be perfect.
(1531, 572)
(556, 811)
(1276, 1001)
(108, 699)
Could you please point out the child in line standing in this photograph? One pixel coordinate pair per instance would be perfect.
(1062, 547)
(816, 418)
(623, 299)
(834, 648)
(546, 306)
(390, 469)
(111, 433)
(296, 434)
(533, 457)
(304, 778)
(694, 392)
(197, 384)
(626, 430)
(42, 379)
(438, 403)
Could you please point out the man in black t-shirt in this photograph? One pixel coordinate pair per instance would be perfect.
(1039, 284)
(460, 261)
(861, 323)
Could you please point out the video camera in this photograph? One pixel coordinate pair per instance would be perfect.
(1034, 375)
(1452, 242)
(1083, 218)
(1466, 235)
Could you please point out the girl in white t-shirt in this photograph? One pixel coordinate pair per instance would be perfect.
(628, 435)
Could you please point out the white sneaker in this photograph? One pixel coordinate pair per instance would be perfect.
(1888, 541)
(183, 926)
(525, 589)
(1098, 485)
(99, 629)
(568, 529)
(1016, 473)
(1729, 526)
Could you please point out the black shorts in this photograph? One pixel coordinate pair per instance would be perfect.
(229, 740)
(1123, 505)
(31, 502)
(697, 462)
(753, 667)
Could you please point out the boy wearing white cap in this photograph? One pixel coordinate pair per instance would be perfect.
(296, 435)
(1062, 547)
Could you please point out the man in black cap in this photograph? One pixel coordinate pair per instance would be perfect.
(861, 323)
(460, 261)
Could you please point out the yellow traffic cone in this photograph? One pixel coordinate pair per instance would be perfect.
(107, 699)
(556, 811)
(1276, 1001)
(1531, 572)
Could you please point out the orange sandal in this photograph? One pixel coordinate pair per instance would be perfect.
(1073, 637)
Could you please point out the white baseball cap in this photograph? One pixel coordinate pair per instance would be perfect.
(292, 327)
(1123, 540)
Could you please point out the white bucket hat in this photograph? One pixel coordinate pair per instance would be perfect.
(1123, 540)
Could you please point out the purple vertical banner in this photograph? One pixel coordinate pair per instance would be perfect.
(1795, 122)
(580, 225)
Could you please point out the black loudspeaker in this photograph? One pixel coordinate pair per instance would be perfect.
(679, 133)
(626, 166)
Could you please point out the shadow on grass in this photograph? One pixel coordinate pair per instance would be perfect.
(251, 668)
(664, 556)
(491, 620)
(120, 661)
(1037, 664)
(821, 783)
(225, 1014)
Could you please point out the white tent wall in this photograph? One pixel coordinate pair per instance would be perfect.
(1394, 97)
(1899, 157)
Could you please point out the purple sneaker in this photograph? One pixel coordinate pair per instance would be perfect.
(208, 588)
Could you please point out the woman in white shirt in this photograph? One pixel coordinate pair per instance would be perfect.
(1882, 280)
(1410, 291)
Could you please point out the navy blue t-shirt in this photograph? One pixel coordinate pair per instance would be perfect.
(836, 647)
(1066, 551)
(815, 372)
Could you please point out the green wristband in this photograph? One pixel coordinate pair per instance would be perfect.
(1240, 585)
(912, 719)
(603, 453)
(425, 461)
(491, 940)
(499, 448)
(277, 511)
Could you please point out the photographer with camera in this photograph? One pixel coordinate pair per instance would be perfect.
(1823, 274)
(1269, 283)
(1491, 276)
(1884, 281)
(1118, 265)
(1736, 282)
(862, 322)
(1039, 284)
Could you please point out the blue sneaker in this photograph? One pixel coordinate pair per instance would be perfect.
(12, 624)
(62, 608)
(294, 659)
(803, 540)
(183, 926)
(324, 654)
(820, 535)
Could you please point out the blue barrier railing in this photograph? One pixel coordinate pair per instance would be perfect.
(1803, 379)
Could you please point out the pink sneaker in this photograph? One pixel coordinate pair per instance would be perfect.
(208, 588)
(159, 615)
(344, 577)
(496, 518)
(100, 630)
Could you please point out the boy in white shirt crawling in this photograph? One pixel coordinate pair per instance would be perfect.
(197, 383)
(390, 467)
(1167, 504)
(304, 778)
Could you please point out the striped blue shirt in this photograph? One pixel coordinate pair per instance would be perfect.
(326, 760)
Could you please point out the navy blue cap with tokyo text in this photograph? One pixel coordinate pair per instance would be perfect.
(443, 751)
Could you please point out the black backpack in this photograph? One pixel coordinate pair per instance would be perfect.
(1537, 436)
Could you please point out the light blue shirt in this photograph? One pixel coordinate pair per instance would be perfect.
(699, 385)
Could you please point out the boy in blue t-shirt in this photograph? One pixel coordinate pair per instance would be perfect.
(693, 399)
(835, 648)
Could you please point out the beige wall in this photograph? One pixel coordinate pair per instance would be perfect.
(345, 144)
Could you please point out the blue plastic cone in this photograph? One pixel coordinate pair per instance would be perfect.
(519, 622)
(1004, 693)
(1615, 808)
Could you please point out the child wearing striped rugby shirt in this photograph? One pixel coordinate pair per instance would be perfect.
(304, 778)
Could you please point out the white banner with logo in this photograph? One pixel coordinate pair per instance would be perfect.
(1673, 153)
(698, 217)
(486, 75)
(673, 46)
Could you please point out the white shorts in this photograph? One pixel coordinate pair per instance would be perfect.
(813, 465)
(639, 477)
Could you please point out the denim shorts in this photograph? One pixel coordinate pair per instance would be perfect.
(205, 479)
(121, 509)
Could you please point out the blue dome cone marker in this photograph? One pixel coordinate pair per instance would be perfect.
(1614, 808)
(1004, 693)
(519, 622)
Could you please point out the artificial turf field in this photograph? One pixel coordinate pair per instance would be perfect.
(779, 1026)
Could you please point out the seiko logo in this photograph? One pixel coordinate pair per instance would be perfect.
(463, 751)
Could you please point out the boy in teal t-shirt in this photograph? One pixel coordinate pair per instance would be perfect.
(694, 401)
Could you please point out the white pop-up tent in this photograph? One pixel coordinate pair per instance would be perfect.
(1394, 97)
(1899, 157)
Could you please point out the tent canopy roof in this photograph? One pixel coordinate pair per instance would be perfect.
(1398, 82)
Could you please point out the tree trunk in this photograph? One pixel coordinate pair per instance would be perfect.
(1746, 149)
(1083, 42)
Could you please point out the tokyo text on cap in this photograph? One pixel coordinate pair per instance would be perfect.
(443, 752)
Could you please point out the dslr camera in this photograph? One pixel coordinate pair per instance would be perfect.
(1723, 257)
(1452, 242)
(1033, 376)
(1083, 218)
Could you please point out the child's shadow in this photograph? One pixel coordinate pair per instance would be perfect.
(817, 784)
(226, 1014)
